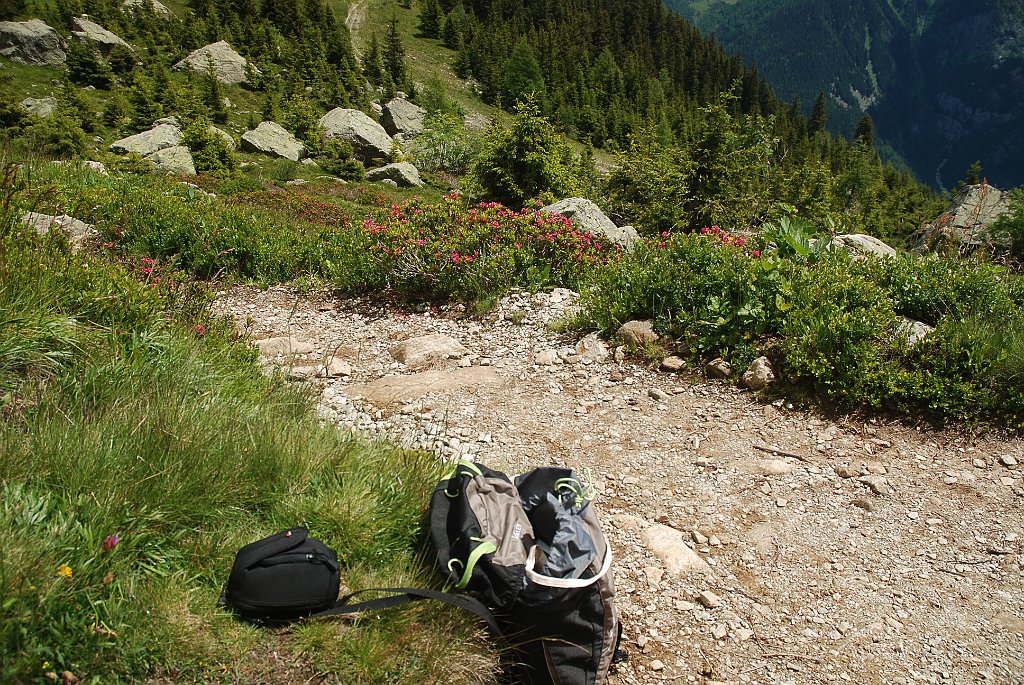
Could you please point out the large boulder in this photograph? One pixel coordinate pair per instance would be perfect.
(862, 244)
(173, 160)
(404, 174)
(228, 66)
(223, 135)
(79, 232)
(156, 5)
(159, 137)
(967, 219)
(403, 117)
(369, 140)
(271, 139)
(39, 107)
(32, 42)
(589, 217)
(85, 30)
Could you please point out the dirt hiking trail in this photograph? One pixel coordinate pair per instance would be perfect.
(753, 543)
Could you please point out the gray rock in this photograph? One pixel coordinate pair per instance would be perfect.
(95, 167)
(709, 599)
(673, 364)
(79, 232)
(759, 375)
(284, 346)
(427, 348)
(157, 6)
(1008, 460)
(718, 368)
(173, 160)
(85, 30)
(592, 348)
(148, 142)
(369, 140)
(861, 244)
(32, 42)
(228, 66)
(967, 219)
(546, 358)
(271, 139)
(402, 173)
(589, 217)
(913, 331)
(668, 545)
(659, 395)
(878, 484)
(403, 117)
(39, 107)
(637, 332)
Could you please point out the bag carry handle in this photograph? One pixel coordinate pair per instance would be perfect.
(567, 583)
(402, 595)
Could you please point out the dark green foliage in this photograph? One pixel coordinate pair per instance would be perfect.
(1008, 230)
(11, 9)
(394, 58)
(528, 159)
(522, 75)
(62, 134)
(302, 120)
(336, 158)
(819, 116)
(210, 151)
(143, 98)
(430, 18)
(865, 131)
(213, 97)
(86, 67)
(121, 60)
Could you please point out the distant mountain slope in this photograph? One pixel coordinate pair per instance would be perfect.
(943, 79)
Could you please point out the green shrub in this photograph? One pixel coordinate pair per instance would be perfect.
(337, 158)
(527, 160)
(210, 151)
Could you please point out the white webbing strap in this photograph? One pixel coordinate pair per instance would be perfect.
(550, 581)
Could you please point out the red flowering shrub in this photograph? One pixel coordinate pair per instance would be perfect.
(448, 250)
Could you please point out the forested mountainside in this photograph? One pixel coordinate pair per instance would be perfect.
(942, 79)
(628, 77)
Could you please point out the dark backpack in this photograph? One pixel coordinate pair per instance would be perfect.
(533, 550)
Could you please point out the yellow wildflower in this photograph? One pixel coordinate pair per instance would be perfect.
(64, 571)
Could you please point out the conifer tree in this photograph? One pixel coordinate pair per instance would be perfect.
(430, 19)
(373, 65)
(213, 98)
(145, 109)
(865, 131)
(86, 67)
(819, 116)
(522, 75)
(451, 31)
(394, 55)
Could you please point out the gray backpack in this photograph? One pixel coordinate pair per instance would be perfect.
(534, 552)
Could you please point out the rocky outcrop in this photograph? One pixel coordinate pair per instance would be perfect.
(162, 146)
(862, 244)
(173, 160)
(39, 107)
(79, 232)
(403, 117)
(158, 7)
(588, 216)
(403, 174)
(272, 140)
(32, 42)
(228, 66)
(85, 30)
(159, 137)
(369, 140)
(425, 349)
(967, 220)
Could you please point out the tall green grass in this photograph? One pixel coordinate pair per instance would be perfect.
(127, 412)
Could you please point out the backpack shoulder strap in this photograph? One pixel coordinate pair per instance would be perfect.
(396, 596)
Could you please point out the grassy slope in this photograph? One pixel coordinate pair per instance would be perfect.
(127, 411)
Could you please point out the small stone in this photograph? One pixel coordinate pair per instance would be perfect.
(673, 364)
(656, 665)
(878, 484)
(659, 395)
(1008, 482)
(1007, 460)
(759, 375)
(698, 537)
(846, 471)
(864, 504)
(718, 368)
(979, 463)
(546, 358)
(642, 641)
(637, 332)
(912, 515)
(781, 502)
(709, 599)
(720, 631)
(744, 634)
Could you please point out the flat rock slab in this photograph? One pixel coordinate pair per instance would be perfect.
(765, 467)
(403, 389)
(284, 345)
(667, 544)
(158, 138)
(424, 349)
(271, 139)
(87, 31)
(78, 231)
